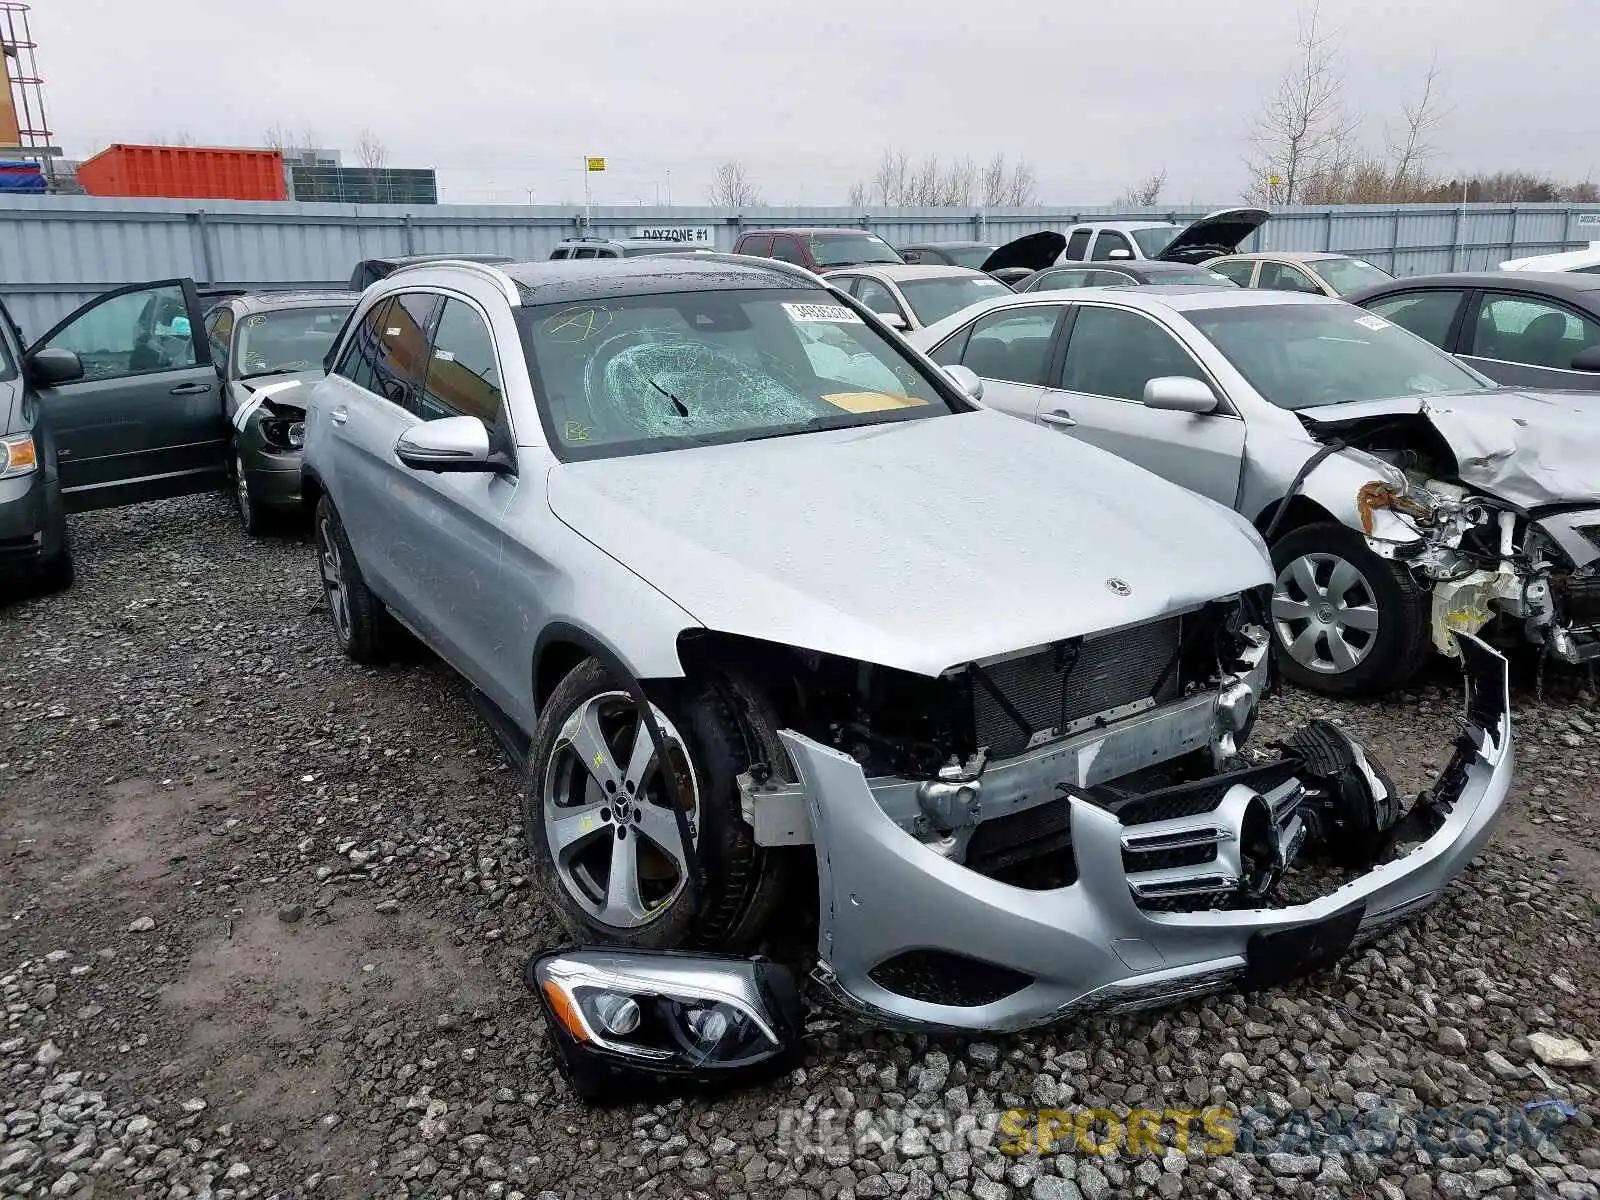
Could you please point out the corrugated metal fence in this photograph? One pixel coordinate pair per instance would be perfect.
(57, 251)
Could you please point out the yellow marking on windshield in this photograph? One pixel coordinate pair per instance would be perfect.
(576, 324)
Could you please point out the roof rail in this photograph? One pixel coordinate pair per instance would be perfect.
(746, 260)
(488, 271)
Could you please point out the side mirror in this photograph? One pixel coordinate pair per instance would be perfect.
(49, 367)
(1120, 254)
(1588, 359)
(448, 444)
(966, 379)
(1179, 393)
(894, 321)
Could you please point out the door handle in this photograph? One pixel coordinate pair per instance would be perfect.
(339, 415)
(1060, 418)
(190, 389)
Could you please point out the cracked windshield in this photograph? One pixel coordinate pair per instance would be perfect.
(651, 373)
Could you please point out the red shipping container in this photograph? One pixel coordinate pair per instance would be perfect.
(185, 172)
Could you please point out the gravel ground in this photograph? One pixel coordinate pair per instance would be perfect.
(265, 914)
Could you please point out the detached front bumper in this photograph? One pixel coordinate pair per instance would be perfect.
(1039, 956)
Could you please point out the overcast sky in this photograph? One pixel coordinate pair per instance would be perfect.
(503, 96)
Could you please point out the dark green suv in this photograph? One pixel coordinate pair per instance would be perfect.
(118, 403)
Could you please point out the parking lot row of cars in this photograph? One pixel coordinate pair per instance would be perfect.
(978, 613)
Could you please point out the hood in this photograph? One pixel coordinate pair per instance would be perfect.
(1033, 252)
(1215, 233)
(919, 545)
(1529, 449)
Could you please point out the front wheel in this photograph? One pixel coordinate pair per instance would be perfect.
(362, 627)
(599, 821)
(251, 515)
(1345, 622)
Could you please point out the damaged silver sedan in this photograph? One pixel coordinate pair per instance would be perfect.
(770, 610)
(1406, 497)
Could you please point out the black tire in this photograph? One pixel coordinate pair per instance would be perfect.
(1396, 649)
(255, 519)
(365, 633)
(56, 574)
(725, 727)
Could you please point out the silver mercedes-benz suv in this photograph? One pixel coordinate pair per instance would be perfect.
(768, 604)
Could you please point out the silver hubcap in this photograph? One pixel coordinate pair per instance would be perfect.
(333, 579)
(241, 487)
(1325, 613)
(607, 813)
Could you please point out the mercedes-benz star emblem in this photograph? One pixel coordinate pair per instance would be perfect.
(1119, 587)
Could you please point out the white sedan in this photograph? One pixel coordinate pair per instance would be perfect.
(911, 297)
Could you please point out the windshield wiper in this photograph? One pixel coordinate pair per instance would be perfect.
(676, 403)
(813, 425)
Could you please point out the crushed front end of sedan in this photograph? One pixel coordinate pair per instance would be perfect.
(1498, 512)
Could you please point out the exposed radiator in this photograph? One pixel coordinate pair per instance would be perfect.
(1081, 678)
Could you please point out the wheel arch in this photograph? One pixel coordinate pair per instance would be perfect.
(1298, 511)
(561, 646)
(311, 489)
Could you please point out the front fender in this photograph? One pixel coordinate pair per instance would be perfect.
(1333, 484)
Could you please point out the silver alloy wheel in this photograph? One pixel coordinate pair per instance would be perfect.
(1325, 613)
(241, 490)
(609, 826)
(333, 584)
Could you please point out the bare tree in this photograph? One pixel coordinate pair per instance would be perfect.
(371, 151)
(1145, 193)
(1304, 127)
(934, 183)
(181, 138)
(1008, 185)
(281, 138)
(732, 187)
(892, 182)
(1411, 148)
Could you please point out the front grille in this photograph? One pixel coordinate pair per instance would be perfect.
(1192, 799)
(940, 977)
(1054, 688)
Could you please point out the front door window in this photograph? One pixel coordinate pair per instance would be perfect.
(136, 333)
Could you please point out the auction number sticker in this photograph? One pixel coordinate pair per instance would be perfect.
(833, 314)
(1372, 323)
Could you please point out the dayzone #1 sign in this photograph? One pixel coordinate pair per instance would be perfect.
(689, 235)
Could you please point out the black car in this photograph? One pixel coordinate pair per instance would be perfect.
(1119, 274)
(949, 254)
(368, 271)
(1525, 328)
(119, 402)
(269, 348)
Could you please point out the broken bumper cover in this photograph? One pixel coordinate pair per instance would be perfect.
(1089, 946)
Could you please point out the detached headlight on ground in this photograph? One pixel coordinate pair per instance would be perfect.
(621, 1018)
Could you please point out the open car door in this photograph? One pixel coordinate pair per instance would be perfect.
(145, 419)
